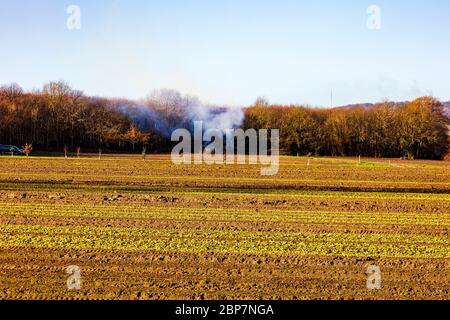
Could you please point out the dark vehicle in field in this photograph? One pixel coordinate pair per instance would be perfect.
(8, 149)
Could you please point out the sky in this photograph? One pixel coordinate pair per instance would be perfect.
(232, 51)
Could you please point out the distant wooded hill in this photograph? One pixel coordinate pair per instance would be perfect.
(369, 105)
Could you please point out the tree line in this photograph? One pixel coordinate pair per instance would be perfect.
(417, 129)
(58, 117)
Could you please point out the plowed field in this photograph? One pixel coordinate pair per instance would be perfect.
(153, 230)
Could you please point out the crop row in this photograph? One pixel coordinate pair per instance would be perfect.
(143, 177)
(230, 191)
(220, 214)
(165, 160)
(225, 242)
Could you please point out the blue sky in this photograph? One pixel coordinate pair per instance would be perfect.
(232, 51)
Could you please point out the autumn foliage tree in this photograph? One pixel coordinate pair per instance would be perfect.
(135, 136)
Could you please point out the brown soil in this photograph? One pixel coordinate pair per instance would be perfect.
(407, 189)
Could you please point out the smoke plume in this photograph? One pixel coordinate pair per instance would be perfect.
(167, 110)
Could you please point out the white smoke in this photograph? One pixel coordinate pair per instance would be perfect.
(165, 111)
(216, 118)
